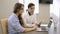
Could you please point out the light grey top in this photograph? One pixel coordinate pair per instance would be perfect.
(13, 25)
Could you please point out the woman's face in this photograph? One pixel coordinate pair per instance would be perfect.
(21, 10)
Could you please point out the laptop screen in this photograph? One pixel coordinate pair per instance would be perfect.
(49, 24)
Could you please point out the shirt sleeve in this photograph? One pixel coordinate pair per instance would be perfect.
(17, 26)
(35, 21)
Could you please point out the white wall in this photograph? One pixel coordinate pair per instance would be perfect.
(6, 7)
(44, 13)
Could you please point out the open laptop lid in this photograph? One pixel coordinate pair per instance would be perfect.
(49, 25)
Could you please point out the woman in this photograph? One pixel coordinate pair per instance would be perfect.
(15, 22)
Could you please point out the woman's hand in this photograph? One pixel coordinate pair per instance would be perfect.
(35, 27)
(30, 29)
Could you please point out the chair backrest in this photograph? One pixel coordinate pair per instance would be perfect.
(0, 28)
(4, 25)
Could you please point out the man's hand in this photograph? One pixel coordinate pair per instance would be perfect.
(38, 24)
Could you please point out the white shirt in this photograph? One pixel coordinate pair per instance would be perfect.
(29, 19)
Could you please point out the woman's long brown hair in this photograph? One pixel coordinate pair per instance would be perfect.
(17, 7)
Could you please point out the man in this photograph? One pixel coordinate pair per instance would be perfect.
(29, 16)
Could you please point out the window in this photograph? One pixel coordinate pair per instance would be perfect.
(54, 8)
(21, 1)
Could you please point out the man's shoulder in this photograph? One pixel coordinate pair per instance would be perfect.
(25, 14)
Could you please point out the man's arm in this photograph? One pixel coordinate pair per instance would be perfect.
(24, 22)
(36, 23)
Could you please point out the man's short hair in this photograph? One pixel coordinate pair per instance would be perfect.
(30, 4)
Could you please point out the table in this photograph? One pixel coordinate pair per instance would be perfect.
(51, 31)
(35, 32)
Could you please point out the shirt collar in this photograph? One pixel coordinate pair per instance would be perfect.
(15, 15)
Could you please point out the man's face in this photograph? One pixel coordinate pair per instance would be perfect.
(31, 9)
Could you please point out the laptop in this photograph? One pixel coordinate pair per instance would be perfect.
(44, 27)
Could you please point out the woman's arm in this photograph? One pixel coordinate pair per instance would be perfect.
(30, 29)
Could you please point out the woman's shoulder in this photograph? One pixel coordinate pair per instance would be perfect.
(12, 17)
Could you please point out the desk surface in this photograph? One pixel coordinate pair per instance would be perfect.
(35, 32)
